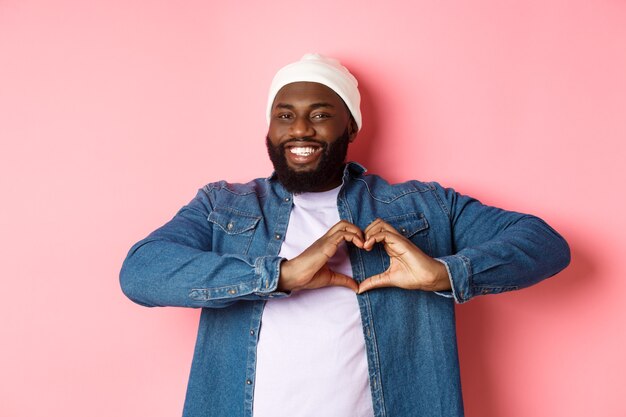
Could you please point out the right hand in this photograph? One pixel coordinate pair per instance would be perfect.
(309, 270)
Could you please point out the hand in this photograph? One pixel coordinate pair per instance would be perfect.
(309, 270)
(409, 267)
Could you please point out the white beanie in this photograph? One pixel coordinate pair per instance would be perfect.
(323, 70)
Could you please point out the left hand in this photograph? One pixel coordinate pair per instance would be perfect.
(409, 267)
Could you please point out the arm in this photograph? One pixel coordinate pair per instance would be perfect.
(174, 266)
(497, 250)
(493, 251)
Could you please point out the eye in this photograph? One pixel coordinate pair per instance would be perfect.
(283, 116)
(319, 116)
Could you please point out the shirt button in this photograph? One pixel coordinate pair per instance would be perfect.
(277, 236)
(230, 226)
(232, 291)
(248, 382)
(251, 332)
(287, 199)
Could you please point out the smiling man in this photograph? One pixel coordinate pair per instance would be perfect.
(310, 129)
(325, 291)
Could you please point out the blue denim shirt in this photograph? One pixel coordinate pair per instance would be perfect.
(220, 253)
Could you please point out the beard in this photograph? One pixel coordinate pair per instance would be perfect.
(328, 170)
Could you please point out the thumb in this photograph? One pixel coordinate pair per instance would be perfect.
(326, 277)
(375, 281)
(338, 279)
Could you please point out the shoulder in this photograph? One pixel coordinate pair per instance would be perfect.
(381, 189)
(256, 186)
(224, 193)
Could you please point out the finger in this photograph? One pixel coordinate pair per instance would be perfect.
(375, 281)
(377, 226)
(342, 235)
(338, 279)
(345, 226)
(387, 236)
(326, 247)
(316, 255)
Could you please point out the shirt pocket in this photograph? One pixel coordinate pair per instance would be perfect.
(232, 230)
(412, 226)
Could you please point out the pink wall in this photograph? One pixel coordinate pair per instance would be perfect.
(112, 114)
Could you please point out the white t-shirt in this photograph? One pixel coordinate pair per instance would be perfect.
(311, 358)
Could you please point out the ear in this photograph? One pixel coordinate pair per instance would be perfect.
(353, 129)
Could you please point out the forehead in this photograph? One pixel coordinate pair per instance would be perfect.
(307, 92)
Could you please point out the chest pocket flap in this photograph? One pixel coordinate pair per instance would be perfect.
(233, 222)
(408, 224)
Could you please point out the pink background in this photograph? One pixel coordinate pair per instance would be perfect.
(113, 113)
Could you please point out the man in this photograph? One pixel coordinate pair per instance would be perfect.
(325, 291)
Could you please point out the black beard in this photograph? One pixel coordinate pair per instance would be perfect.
(329, 169)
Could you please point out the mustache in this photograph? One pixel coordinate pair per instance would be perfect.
(304, 140)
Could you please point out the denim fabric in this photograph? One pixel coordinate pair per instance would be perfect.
(219, 253)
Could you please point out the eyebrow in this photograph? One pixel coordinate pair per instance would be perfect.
(312, 106)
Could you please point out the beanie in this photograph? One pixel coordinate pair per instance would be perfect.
(317, 68)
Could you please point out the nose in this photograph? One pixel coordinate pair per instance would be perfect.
(301, 128)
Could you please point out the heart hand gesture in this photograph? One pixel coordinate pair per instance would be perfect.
(409, 268)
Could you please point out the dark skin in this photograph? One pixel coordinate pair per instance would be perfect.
(314, 111)
(306, 116)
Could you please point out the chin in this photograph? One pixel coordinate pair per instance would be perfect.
(300, 168)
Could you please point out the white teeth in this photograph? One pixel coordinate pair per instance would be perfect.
(302, 150)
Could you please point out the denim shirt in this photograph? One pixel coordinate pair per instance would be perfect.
(220, 253)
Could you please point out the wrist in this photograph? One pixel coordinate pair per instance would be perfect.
(285, 272)
(441, 279)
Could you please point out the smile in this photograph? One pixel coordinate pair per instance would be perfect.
(303, 150)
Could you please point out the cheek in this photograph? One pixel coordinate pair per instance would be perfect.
(272, 136)
(339, 126)
(333, 132)
(275, 133)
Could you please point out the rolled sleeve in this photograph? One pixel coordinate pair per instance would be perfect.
(459, 272)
